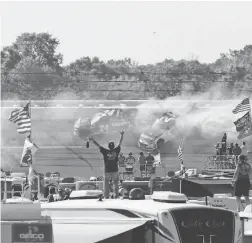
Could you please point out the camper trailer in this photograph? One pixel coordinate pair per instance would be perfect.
(163, 217)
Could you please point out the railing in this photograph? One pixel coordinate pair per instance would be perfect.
(22, 191)
(221, 162)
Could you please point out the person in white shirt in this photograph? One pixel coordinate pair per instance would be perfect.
(244, 150)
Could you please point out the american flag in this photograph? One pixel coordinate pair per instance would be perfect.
(180, 157)
(28, 150)
(22, 118)
(243, 106)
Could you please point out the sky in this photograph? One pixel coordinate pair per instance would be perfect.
(147, 32)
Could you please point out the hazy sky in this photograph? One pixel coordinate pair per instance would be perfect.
(148, 32)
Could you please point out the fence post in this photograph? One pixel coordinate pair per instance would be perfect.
(5, 189)
(38, 188)
(22, 192)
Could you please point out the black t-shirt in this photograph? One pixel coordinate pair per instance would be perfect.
(111, 158)
(150, 159)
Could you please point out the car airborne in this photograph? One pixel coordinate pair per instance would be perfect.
(104, 122)
(161, 132)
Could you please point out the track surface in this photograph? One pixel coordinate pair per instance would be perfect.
(90, 164)
(52, 131)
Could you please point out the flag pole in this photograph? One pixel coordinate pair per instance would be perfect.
(30, 116)
(180, 181)
(30, 165)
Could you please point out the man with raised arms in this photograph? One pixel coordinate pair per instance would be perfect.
(110, 157)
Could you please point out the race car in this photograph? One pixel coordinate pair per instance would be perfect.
(162, 131)
(105, 122)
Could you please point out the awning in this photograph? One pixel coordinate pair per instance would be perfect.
(92, 232)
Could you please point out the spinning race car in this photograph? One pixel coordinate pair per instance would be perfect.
(162, 131)
(158, 132)
(105, 122)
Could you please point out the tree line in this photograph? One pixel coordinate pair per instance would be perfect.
(31, 68)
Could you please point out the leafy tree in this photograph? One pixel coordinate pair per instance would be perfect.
(90, 77)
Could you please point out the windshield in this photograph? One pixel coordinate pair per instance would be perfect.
(204, 225)
(99, 115)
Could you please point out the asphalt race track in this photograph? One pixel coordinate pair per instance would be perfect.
(59, 150)
(82, 162)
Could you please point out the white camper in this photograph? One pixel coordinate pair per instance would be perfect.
(164, 217)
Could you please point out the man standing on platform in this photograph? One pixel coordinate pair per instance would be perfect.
(244, 150)
(150, 164)
(111, 164)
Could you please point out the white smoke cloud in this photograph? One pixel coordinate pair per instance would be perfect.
(195, 122)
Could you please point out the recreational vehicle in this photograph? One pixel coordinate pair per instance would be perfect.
(163, 217)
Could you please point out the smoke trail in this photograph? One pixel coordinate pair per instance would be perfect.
(195, 122)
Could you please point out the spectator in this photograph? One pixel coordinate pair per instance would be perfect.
(236, 151)
(50, 197)
(149, 163)
(111, 164)
(121, 163)
(142, 161)
(61, 194)
(121, 160)
(67, 193)
(224, 144)
(129, 164)
(224, 138)
(241, 181)
(218, 149)
(244, 150)
(130, 160)
(230, 149)
(150, 159)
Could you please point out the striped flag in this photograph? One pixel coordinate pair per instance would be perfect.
(243, 122)
(180, 157)
(34, 180)
(28, 150)
(243, 106)
(25, 186)
(22, 118)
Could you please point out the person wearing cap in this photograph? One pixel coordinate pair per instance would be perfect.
(241, 181)
(130, 161)
(110, 157)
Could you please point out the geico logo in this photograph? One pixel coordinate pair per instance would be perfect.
(31, 236)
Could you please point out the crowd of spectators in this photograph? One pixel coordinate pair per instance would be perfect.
(138, 166)
(224, 149)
